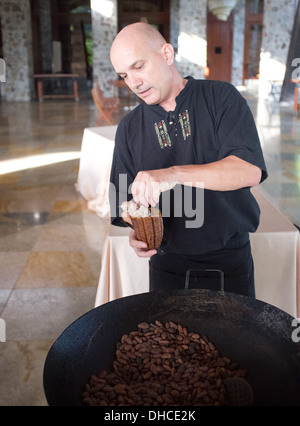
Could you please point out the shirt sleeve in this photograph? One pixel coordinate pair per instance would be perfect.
(122, 175)
(236, 129)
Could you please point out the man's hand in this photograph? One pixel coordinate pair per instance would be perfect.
(148, 185)
(140, 247)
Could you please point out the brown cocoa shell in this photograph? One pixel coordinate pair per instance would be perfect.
(149, 229)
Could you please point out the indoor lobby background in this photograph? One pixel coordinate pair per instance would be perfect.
(51, 240)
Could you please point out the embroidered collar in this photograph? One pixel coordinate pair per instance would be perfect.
(179, 98)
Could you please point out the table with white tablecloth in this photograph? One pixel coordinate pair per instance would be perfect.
(275, 245)
(94, 168)
(275, 249)
(276, 255)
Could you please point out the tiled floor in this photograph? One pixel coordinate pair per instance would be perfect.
(50, 243)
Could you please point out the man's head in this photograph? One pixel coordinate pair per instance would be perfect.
(141, 56)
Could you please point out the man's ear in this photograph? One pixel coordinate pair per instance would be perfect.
(167, 51)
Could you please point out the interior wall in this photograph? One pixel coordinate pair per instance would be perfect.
(277, 30)
(238, 43)
(104, 24)
(191, 57)
(187, 34)
(17, 50)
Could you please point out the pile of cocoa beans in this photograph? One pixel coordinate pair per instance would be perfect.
(163, 365)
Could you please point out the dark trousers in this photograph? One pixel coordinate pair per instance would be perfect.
(169, 271)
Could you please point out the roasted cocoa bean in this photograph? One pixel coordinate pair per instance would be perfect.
(143, 325)
(163, 364)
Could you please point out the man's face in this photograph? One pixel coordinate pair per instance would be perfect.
(143, 70)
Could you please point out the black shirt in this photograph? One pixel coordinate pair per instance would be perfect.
(211, 121)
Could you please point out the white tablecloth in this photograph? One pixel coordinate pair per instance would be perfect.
(123, 273)
(275, 245)
(94, 168)
(275, 249)
(276, 256)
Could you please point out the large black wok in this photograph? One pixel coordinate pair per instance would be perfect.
(252, 333)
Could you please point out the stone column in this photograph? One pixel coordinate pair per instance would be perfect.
(277, 28)
(192, 41)
(104, 23)
(238, 43)
(17, 49)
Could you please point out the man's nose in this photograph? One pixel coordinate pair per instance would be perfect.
(134, 82)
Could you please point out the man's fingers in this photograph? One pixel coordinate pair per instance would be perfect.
(145, 192)
(140, 247)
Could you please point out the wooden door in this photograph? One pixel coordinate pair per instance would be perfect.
(219, 48)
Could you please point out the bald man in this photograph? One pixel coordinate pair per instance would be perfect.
(196, 139)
